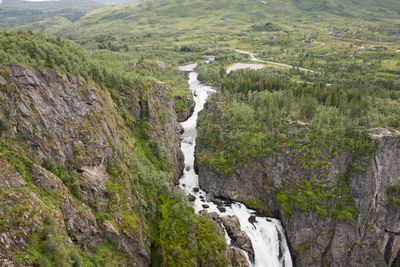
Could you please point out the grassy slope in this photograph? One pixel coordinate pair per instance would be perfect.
(223, 15)
(50, 4)
(175, 18)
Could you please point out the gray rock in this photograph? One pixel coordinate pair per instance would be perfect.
(210, 198)
(81, 224)
(191, 198)
(9, 177)
(237, 258)
(45, 179)
(239, 238)
(252, 219)
(221, 209)
(71, 121)
(189, 110)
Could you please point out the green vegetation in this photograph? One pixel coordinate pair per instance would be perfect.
(181, 242)
(393, 193)
(16, 157)
(256, 111)
(257, 205)
(47, 248)
(260, 113)
(140, 170)
(314, 195)
(70, 179)
(112, 69)
(38, 50)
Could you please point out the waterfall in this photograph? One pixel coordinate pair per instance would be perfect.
(266, 234)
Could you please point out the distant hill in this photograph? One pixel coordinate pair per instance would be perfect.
(50, 4)
(116, 2)
(83, 19)
(228, 15)
(48, 16)
(61, 3)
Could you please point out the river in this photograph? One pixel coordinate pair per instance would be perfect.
(266, 234)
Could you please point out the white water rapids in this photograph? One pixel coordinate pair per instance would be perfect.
(266, 234)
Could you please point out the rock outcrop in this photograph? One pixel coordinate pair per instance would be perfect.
(363, 231)
(240, 242)
(156, 104)
(72, 128)
(239, 238)
(187, 107)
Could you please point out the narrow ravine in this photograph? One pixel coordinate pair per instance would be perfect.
(266, 234)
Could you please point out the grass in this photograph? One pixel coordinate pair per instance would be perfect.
(257, 205)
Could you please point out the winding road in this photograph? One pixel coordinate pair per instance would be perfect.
(270, 63)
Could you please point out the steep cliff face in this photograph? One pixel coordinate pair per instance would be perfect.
(184, 106)
(86, 175)
(155, 104)
(62, 178)
(342, 212)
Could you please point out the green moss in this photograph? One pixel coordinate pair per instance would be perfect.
(5, 126)
(185, 238)
(69, 178)
(326, 200)
(16, 157)
(47, 248)
(256, 204)
(105, 254)
(359, 244)
(393, 194)
(181, 106)
(4, 71)
(217, 161)
(304, 247)
(121, 204)
(284, 200)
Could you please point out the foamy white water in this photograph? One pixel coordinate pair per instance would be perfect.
(266, 234)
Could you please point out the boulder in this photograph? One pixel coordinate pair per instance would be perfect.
(191, 198)
(239, 238)
(221, 209)
(252, 219)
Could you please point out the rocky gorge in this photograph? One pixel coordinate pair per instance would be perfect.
(83, 167)
(260, 240)
(85, 172)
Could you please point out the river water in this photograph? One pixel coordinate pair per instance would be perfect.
(266, 234)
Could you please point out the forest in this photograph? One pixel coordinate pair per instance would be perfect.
(259, 113)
